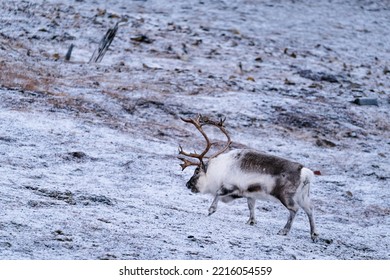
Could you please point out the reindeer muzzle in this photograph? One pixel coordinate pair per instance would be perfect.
(192, 187)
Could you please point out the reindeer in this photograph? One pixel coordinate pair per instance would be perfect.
(246, 173)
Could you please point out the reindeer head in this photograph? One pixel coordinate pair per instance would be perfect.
(201, 165)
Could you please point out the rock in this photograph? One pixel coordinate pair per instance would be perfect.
(141, 38)
(78, 154)
(325, 143)
(7, 139)
(96, 199)
(366, 101)
(5, 245)
(318, 77)
(351, 134)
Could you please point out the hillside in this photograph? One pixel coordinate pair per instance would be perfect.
(88, 150)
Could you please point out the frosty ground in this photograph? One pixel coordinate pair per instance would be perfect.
(88, 150)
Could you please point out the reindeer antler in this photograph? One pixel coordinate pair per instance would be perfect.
(199, 122)
(221, 125)
(187, 163)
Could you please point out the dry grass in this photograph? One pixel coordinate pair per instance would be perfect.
(17, 75)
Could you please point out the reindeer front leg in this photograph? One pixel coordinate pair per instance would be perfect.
(214, 204)
(227, 194)
(221, 192)
(292, 206)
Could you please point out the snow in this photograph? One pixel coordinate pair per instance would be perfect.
(88, 151)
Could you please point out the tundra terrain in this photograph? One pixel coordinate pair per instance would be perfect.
(88, 151)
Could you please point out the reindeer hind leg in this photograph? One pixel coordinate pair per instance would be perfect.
(251, 205)
(305, 203)
(307, 206)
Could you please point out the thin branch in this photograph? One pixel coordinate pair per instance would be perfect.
(104, 44)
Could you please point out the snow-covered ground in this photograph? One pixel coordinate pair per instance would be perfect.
(88, 151)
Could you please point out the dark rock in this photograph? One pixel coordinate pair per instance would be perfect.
(318, 77)
(366, 101)
(141, 38)
(96, 199)
(325, 143)
(78, 154)
(7, 139)
(5, 245)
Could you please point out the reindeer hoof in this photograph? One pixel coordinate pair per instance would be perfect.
(251, 222)
(212, 210)
(283, 231)
(314, 237)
